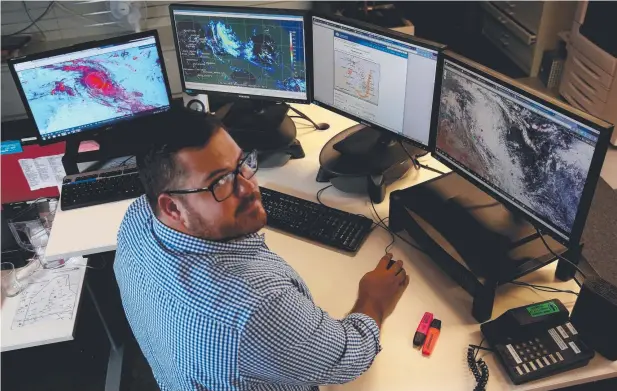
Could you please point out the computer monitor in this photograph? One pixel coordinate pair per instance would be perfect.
(75, 91)
(242, 53)
(538, 156)
(381, 78)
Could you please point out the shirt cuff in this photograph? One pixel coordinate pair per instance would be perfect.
(368, 326)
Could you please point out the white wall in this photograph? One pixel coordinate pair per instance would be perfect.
(74, 19)
(80, 20)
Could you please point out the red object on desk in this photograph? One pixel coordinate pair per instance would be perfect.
(14, 187)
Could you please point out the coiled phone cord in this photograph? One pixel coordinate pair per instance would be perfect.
(478, 368)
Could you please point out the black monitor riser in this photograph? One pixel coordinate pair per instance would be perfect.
(496, 245)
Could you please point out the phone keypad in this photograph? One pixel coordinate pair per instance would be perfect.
(534, 355)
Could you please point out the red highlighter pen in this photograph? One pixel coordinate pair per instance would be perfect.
(422, 330)
(431, 337)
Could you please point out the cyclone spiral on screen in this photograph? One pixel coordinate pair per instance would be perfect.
(83, 91)
(248, 52)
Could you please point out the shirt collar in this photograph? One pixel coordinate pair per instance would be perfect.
(184, 243)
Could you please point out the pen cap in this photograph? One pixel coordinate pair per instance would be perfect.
(436, 324)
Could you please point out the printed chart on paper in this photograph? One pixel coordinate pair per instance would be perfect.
(51, 295)
(357, 77)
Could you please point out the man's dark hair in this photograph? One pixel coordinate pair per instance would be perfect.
(158, 168)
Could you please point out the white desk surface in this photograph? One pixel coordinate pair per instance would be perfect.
(333, 279)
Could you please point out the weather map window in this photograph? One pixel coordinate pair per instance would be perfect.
(526, 152)
(242, 53)
(387, 82)
(90, 88)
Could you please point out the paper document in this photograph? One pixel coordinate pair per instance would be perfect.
(44, 312)
(46, 171)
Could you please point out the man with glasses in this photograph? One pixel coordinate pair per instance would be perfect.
(211, 307)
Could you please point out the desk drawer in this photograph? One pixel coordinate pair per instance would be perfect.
(526, 13)
(517, 50)
(509, 24)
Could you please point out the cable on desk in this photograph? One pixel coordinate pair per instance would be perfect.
(319, 194)
(381, 225)
(543, 288)
(417, 164)
(557, 255)
(478, 368)
(317, 126)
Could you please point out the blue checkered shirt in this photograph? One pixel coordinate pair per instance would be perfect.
(230, 315)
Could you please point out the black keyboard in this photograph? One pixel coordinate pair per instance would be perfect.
(91, 189)
(332, 227)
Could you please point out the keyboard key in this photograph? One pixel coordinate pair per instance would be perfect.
(518, 369)
(546, 361)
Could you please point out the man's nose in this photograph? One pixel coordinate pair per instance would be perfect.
(244, 186)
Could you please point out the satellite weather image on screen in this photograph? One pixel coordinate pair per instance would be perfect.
(241, 51)
(535, 161)
(66, 95)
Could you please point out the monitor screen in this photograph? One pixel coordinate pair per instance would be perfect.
(247, 53)
(372, 77)
(530, 155)
(91, 88)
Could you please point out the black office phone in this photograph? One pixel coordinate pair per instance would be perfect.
(536, 341)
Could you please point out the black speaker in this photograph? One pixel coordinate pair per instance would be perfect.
(595, 316)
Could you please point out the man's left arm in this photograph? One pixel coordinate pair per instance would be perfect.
(290, 340)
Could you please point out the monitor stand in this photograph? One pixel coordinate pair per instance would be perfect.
(363, 159)
(263, 126)
(476, 240)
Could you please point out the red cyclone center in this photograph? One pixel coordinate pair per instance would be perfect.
(97, 81)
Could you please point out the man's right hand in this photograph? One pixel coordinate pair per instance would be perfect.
(381, 289)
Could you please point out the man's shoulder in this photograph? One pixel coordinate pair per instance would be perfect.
(138, 212)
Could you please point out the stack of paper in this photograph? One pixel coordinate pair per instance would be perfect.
(46, 171)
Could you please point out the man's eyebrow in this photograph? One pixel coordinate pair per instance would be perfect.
(213, 174)
(219, 171)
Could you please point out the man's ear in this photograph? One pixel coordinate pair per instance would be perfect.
(169, 208)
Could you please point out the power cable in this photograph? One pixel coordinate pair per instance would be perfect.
(417, 164)
(557, 255)
(33, 21)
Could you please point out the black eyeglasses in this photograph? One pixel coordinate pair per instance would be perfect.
(224, 187)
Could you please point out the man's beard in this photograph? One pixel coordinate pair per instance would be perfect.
(242, 225)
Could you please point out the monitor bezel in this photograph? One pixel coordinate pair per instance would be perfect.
(604, 129)
(305, 14)
(392, 34)
(110, 127)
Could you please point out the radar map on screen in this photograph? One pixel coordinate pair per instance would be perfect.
(534, 160)
(257, 53)
(74, 93)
